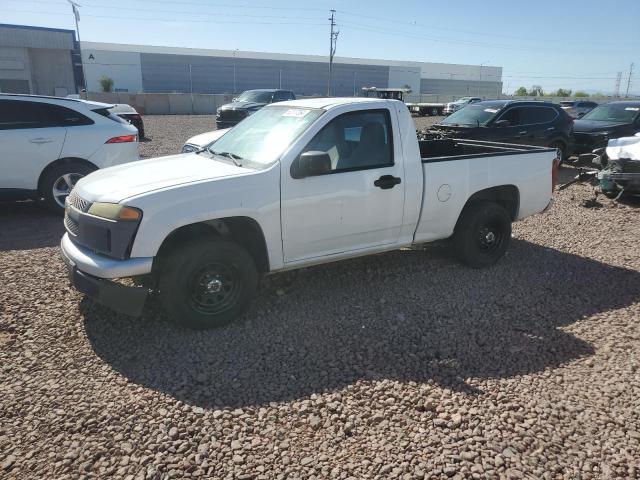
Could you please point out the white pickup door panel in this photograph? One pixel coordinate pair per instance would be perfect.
(341, 212)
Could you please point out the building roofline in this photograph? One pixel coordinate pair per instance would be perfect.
(245, 54)
(46, 29)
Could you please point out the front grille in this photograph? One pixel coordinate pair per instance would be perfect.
(71, 225)
(77, 202)
(232, 114)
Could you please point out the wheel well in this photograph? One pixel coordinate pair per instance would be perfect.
(244, 231)
(61, 161)
(506, 195)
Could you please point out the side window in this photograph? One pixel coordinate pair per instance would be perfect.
(534, 115)
(58, 116)
(357, 140)
(18, 115)
(290, 96)
(280, 96)
(512, 116)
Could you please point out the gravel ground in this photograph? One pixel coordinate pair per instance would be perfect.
(401, 365)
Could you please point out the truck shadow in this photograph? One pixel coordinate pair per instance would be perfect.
(410, 315)
(28, 224)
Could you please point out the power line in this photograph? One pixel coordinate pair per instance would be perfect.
(629, 80)
(333, 41)
(128, 17)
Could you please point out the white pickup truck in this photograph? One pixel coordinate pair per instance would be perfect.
(298, 183)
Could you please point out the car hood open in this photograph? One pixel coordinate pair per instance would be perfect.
(118, 183)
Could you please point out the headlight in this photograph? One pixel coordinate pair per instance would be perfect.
(115, 211)
(188, 148)
(218, 111)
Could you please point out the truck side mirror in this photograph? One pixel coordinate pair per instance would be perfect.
(311, 164)
(502, 123)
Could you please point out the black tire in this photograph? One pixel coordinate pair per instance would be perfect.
(564, 151)
(73, 171)
(207, 283)
(482, 234)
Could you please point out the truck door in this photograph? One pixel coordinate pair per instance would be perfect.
(355, 204)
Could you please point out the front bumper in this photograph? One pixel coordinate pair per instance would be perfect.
(90, 272)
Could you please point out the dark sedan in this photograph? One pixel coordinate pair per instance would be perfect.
(248, 103)
(611, 120)
(511, 121)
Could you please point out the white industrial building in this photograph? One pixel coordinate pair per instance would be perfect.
(153, 69)
(46, 61)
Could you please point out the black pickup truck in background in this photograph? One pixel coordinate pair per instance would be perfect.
(248, 103)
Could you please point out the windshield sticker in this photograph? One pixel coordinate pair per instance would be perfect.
(490, 110)
(295, 112)
(633, 109)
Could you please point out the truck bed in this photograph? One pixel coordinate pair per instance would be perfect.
(456, 169)
(442, 150)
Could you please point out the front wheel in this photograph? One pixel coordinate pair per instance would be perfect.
(482, 234)
(207, 283)
(59, 181)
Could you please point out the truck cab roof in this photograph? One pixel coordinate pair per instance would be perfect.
(327, 103)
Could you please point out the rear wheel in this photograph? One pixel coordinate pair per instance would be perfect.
(59, 181)
(482, 234)
(207, 283)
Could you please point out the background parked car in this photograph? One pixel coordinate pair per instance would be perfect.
(47, 144)
(577, 108)
(511, 121)
(130, 114)
(610, 120)
(249, 102)
(198, 143)
(458, 104)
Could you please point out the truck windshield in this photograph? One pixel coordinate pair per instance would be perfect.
(471, 115)
(255, 96)
(613, 113)
(260, 139)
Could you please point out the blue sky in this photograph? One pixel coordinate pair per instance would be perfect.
(572, 44)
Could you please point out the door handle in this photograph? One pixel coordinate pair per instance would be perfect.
(41, 140)
(387, 181)
(550, 129)
(523, 132)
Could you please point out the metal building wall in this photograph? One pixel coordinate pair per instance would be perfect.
(460, 87)
(181, 73)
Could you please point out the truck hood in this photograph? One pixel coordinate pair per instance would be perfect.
(117, 183)
(588, 126)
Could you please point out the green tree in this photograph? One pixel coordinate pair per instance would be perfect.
(521, 92)
(562, 92)
(581, 94)
(106, 83)
(536, 91)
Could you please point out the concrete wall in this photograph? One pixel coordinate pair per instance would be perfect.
(52, 72)
(400, 76)
(123, 67)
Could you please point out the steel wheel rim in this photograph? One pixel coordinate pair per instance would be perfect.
(63, 185)
(489, 238)
(214, 288)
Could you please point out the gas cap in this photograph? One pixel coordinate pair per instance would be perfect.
(444, 192)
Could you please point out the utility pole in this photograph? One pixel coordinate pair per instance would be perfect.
(618, 80)
(629, 80)
(333, 39)
(76, 15)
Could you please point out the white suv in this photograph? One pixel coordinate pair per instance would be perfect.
(48, 143)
